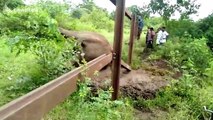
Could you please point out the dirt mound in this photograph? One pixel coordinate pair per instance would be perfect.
(134, 84)
(141, 83)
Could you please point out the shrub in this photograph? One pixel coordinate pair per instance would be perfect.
(33, 29)
(205, 29)
(182, 28)
(187, 54)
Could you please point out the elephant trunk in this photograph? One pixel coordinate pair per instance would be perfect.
(68, 33)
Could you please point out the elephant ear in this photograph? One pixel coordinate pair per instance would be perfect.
(83, 44)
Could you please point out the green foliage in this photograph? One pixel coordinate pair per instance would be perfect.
(99, 19)
(54, 9)
(83, 106)
(165, 8)
(185, 98)
(162, 8)
(32, 30)
(26, 25)
(209, 72)
(85, 8)
(205, 29)
(88, 16)
(182, 28)
(10, 4)
(187, 54)
(155, 22)
(88, 4)
(14, 70)
(141, 11)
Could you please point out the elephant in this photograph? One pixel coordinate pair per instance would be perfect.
(93, 44)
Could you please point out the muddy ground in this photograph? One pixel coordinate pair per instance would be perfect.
(141, 83)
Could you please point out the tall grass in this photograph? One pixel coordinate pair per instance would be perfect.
(12, 68)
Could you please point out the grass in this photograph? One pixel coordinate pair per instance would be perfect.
(12, 68)
(183, 98)
(82, 105)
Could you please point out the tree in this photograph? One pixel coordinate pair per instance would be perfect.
(85, 8)
(205, 29)
(187, 8)
(88, 4)
(10, 4)
(141, 11)
(165, 8)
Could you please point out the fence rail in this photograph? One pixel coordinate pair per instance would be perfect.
(35, 104)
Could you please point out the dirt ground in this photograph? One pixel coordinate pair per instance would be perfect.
(141, 83)
(136, 83)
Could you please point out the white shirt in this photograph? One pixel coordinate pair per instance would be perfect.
(161, 37)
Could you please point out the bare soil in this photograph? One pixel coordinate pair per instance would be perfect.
(141, 83)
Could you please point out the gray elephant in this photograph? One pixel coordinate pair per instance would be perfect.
(93, 44)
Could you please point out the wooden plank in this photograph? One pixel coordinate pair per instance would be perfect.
(40, 101)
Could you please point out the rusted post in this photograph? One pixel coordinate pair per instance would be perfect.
(117, 46)
(136, 27)
(127, 13)
(132, 37)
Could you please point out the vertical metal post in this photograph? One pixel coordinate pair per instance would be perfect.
(117, 46)
(132, 37)
(136, 27)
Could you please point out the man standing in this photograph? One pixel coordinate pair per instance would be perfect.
(162, 36)
(150, 38)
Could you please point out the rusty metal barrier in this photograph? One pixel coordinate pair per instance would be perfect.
(127, 13)
(133, 31)
(117, 46)
(35, 104)
(132, 37)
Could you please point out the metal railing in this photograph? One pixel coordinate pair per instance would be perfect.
(35, 104)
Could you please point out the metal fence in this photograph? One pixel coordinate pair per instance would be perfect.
(34, 105)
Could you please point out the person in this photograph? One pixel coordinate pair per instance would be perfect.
(162, 36)
(150, 38)
(140, 26)
(165, 34)
(147, 33)
(159, 35)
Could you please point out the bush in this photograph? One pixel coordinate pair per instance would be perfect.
(184, 99)
(205, 29)
(32, 29)
(187, 54)
(182, 28)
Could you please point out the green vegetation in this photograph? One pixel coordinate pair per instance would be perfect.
(84, 106)
(33, 52)
(185, 98)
